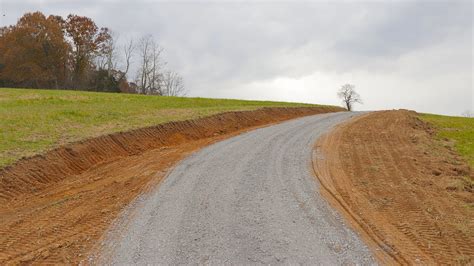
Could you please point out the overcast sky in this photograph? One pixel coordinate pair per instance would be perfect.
(399, 54)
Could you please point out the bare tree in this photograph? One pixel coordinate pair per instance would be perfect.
(143, 71)
(155, 78)
(349, 96)
(148, 76)
(151, 78)
(173, 84)
(128, 50)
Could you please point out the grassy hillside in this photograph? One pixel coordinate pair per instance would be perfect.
(33, 121)
(458, 129)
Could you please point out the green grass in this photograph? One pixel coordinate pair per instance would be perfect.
(32, 121)
(458, 129)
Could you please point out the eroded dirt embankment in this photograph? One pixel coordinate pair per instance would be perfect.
(410, 194)
(54, 207)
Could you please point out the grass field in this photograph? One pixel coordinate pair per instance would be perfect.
(32, 121)
(458, 129)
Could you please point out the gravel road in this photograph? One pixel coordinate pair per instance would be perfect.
(251, 199)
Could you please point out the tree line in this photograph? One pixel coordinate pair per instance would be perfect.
(74, 53)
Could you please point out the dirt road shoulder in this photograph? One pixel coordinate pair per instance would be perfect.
(409, 194)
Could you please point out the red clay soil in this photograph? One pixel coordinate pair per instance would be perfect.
(54, 207)
(408, 193)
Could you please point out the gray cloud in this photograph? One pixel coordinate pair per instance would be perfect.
(405, 54)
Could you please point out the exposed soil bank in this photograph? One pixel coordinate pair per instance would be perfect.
(248, 200)
(55, 206)
(410, 194)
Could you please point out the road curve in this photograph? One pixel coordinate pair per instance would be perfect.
(251, 199)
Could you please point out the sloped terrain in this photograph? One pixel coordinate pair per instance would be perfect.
(410, 193)
(55, 206)
(33, 121)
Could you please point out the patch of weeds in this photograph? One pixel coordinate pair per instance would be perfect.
(469, 206)
(457, 132)
(462, 183)
(374, 168)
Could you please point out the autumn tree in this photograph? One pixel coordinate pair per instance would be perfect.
(106, 59)
(349, 96)
(34, 52)
(88, 42)
(106, 76)
(74, 53)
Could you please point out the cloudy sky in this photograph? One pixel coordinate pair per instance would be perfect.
(399, 54)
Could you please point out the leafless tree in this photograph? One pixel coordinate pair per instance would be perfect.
(149, 78)
(128, 50)
(173, 84)
(143, 71)
(349, 96)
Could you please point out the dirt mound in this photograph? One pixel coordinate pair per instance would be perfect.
(410, 194)
(55, 206)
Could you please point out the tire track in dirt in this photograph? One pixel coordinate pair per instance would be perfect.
(54, 207)
(395, 183)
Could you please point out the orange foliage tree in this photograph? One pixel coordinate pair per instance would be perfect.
(51, 52)
(87, 43)
(34, 52)
(74, 53)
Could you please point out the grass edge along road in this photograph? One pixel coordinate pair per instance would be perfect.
(34, 121)
(459, 130)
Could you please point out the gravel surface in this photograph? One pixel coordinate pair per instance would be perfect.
(251, 199)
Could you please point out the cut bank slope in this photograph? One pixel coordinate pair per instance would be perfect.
(55, 206)
(34, 121)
